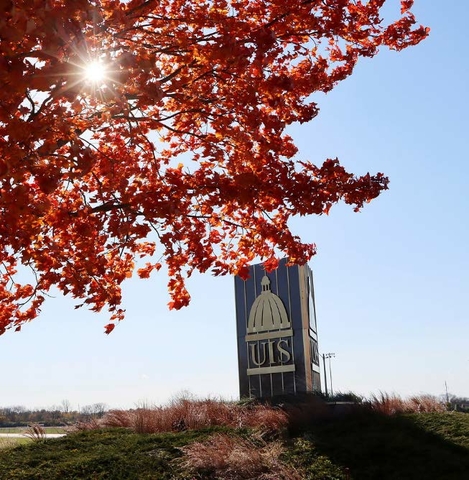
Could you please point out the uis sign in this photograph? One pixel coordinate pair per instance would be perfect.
(277, 334)
(268, 332)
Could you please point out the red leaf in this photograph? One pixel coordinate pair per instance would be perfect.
(109, 328)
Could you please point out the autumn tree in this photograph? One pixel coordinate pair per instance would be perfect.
(156, 130)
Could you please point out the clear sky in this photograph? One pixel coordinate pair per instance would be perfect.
(392, 282)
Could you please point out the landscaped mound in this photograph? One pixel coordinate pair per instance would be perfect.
(298, 440)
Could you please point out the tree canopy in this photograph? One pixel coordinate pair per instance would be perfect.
(148, 132)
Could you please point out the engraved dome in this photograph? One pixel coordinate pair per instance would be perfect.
(267, 312)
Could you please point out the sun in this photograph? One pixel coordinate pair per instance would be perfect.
(95, 72)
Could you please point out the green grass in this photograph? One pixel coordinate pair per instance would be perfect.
(356, 446)
(12, 442)
(23, 429)
(373, 446)
(97, 454)
(12, 429)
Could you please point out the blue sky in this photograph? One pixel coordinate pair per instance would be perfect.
(391, 282)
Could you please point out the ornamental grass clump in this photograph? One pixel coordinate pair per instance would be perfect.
(226, 457)
(391, 404)
(35, 432)
(188, 414)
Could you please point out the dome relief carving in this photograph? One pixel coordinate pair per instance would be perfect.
(267, 312)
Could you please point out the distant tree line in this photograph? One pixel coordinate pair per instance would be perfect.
(18, 415)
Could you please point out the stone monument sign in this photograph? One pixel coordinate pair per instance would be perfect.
(277, 332)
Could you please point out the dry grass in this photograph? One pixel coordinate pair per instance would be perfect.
(35, 432)
(225, 457)
(185, 414)
(265, 419)
(91, 424)
(117, 418)
(427, 403)
(391, 404)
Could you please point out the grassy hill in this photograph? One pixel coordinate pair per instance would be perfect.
(214, 440)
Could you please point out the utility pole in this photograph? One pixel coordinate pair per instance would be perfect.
(325, 375)
(329, 356)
